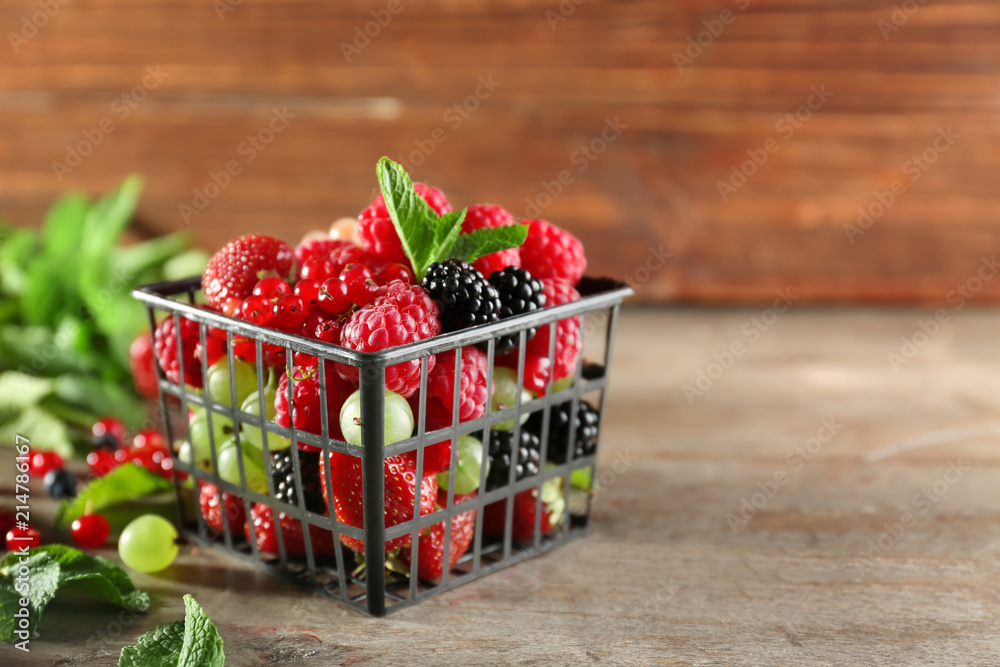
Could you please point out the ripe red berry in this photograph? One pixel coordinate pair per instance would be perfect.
(42, 462)
(257, 309)
(21, 537)
(394, 271)
(317, 269)
(101, 461)
(108, 432)
(333, 296)
(289, 313)
(90, 530)
(142, 363)
(308, 291)
(149, 438)
(360, 285)
(271, 287)
(7, 520)
(234, 271)
(122, 456)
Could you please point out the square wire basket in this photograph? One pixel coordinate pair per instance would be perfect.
(376, 592)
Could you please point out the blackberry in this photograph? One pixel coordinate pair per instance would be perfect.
(60, 484)
(519, 293)
(528, 457)
(587, 429)
(284, 479)
(464, 296)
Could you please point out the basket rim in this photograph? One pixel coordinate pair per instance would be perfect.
(601, 293)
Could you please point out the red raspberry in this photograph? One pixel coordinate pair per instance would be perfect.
(317, 248)
(165, 347)
(400, 492)
(552, 252)
(234, 271)
(261, 528)
(378, 234)
(307, 412)
(143, 365)
(404, 314)
(473, 394)
(569, 342)
(211, 509)
(486, 216)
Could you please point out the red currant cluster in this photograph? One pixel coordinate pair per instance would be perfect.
(148, 449)
(330, 287)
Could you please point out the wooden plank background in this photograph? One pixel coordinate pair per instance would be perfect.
(656, 184)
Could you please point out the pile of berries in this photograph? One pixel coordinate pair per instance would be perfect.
(369, 297)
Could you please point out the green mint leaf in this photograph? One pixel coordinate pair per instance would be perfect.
(45, 431)
(481, 242)
(202, 643)
(20, 390)
(107, 218)
(16, 253)
(62, 231)
(161, 646)
(447, 230)
(122, 484)
(412, 217)
(193, 642)
(57, 567)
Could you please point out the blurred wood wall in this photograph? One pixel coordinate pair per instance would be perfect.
(556, 85)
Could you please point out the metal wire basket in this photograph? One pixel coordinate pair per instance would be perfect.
(377, 592)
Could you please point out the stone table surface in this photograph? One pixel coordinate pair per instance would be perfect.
(819, 501)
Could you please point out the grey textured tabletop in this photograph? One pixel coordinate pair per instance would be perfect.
(820, 501)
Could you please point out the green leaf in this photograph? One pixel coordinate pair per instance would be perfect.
(20, 390)
(134, 259)
(193, 642)
(62, 230)
(448, 229)
(482, 242)
(16, 253)
(45, 432)
(42, 293)
(36, 348)
(108, 218)
(58, 567)
(202, 643)
(122, 484)
(99, 397)
(410, 214)
(161, 646)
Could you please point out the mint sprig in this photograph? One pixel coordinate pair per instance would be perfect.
(193, 642)
(54, 568)
(427, 237)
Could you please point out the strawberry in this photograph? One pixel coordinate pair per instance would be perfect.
(523, 528)
(261, 528)
(211, 509)
(430, 547)
(234, 271)
(400, 491)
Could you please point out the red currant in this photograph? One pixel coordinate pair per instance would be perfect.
(245, 350)
(257, 309)
(108, 431)
(149, 438)
(391, 272)
(310, 324)
(123, 456)
(317, 269)
(90, 530)
(20, 537)
(344, 256)
(274, 355)
(289, 312)
(328, 332)
(271, 287)
(101, 461)
(362, 291)
(333, 296)
(215, 349)
(7, 520)
(308, 291)
(42, 462)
